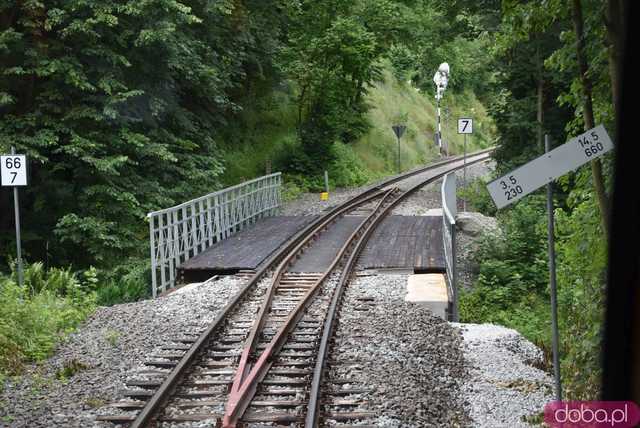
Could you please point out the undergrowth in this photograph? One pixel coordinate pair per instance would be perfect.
(512, 288)
(36, 316)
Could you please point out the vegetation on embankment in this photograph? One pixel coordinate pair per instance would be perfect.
(543, 91)
(34, 317)
(512, 288)
(268, 135)
(393, 102)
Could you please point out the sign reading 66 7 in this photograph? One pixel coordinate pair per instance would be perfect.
(13, 170)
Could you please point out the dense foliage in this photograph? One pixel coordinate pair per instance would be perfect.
(546, 89)
(123, 107)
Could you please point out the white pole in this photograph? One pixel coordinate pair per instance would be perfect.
(439, 129)
(445, 144)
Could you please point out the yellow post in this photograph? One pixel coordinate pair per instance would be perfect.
(324, 196)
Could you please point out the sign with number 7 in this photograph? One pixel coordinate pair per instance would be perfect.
(465, 125)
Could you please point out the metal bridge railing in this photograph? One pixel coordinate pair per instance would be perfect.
(181, 232)
(449, 213)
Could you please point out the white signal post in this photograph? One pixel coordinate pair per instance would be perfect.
(13, 173)
(535, 174)
(465, 126)
(441, 79)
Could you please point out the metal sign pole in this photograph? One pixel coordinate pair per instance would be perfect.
(399, 130)
(552, 282)
(464, 180)
(326, 181)
(399, 155)
(16, 204)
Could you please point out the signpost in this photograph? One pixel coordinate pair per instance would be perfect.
(535, 174)
(465, 126)
(551, 243)
(399, 130)
(13, 173)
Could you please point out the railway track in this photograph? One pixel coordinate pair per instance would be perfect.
(262, 361)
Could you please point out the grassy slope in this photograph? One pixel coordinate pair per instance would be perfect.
(263, 135)
(393, 101)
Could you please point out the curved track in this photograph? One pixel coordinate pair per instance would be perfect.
(261, 361)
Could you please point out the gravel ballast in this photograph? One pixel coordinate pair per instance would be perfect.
(411, 359)
(106, 350)
(426, 198)
(503, 387)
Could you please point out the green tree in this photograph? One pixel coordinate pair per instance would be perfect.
(118, 105)
(332, 54)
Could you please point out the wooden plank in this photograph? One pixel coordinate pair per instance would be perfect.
(319, 256)
(248, 248)
(406, 242)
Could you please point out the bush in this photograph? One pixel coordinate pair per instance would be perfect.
(36, 316)
(292, 159)
(582, 261)
(511, 288)
(346, 169)
(291, 190)
(126, 283)
(477, 196)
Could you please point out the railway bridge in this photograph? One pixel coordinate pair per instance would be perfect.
(269, 357)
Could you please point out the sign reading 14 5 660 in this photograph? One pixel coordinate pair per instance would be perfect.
(591, 144)
(13, 170)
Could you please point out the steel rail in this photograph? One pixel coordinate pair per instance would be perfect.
(312, 417)
(423, 169)
(164, 391)
(277, 276)
(279, 272)
(244, 389)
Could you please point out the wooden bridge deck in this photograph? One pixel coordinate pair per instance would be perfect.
(243, 250)
(402, 242)
(406, 242)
